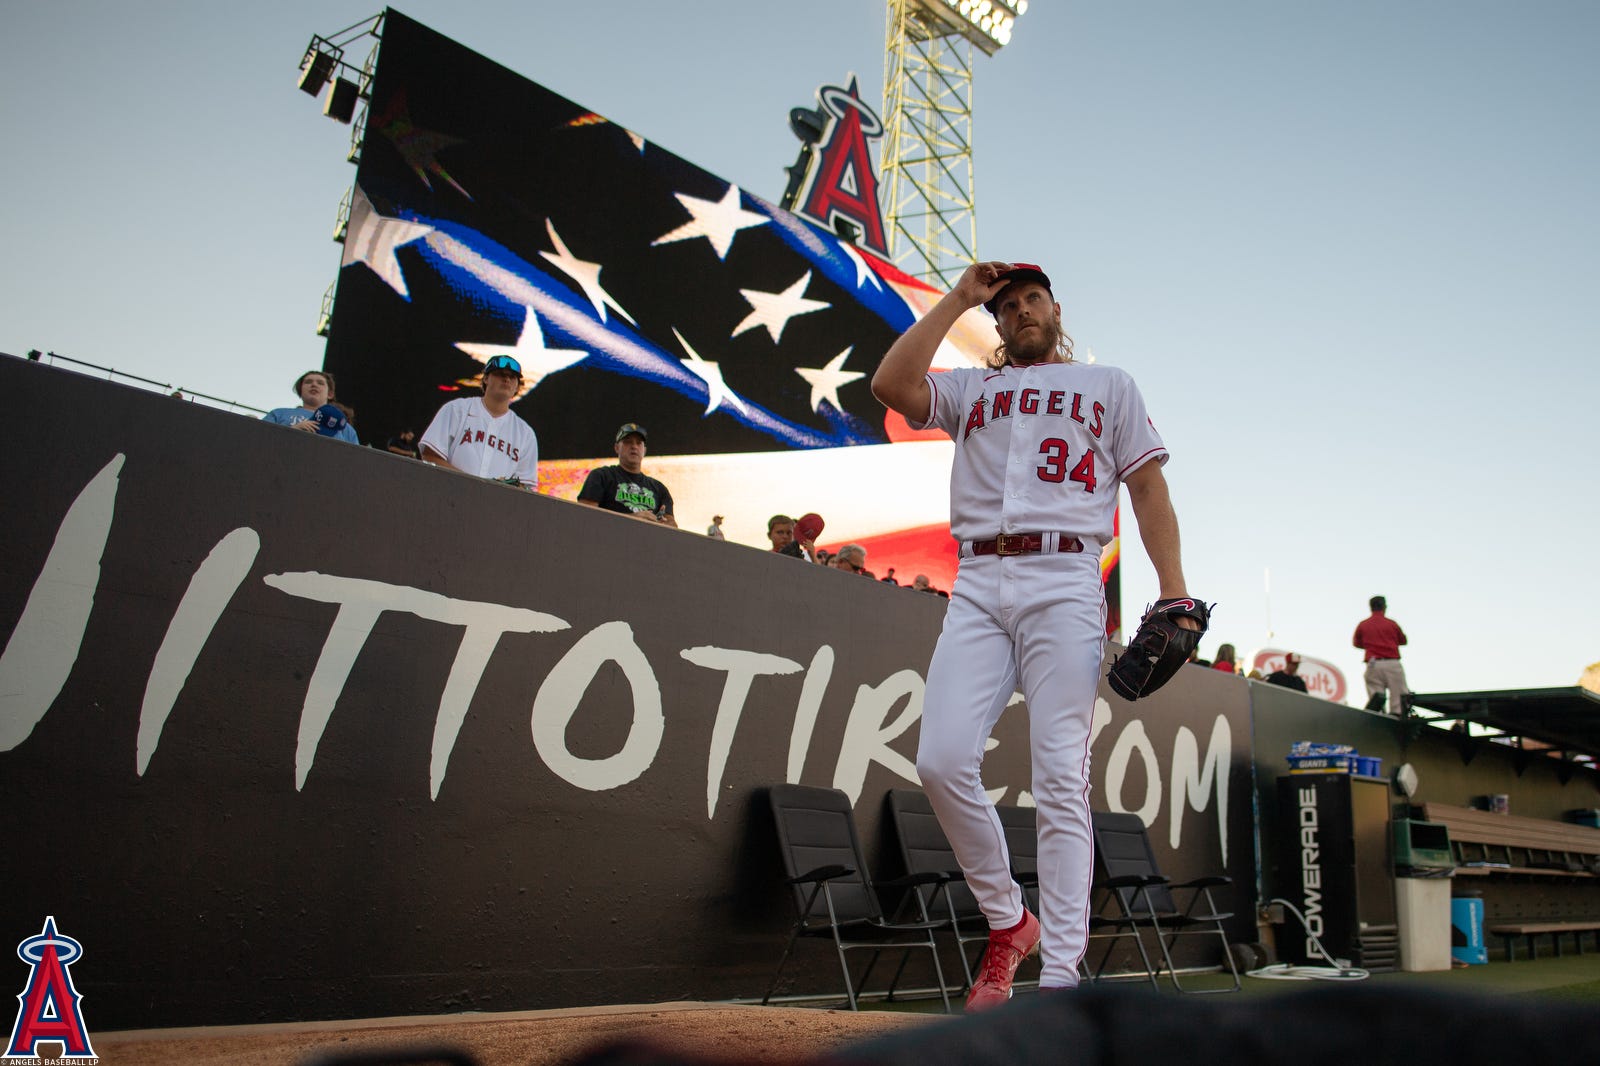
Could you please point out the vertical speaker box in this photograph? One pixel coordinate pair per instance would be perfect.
(341, 102)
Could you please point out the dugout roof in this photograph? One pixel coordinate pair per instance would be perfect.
(1567, 719)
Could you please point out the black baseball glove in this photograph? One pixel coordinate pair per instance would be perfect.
(1158, 648)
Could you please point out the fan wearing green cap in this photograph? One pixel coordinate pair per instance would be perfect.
(479, 435)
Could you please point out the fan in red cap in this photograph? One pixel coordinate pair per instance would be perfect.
(807, 528)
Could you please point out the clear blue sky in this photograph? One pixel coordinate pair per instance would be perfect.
(1349, 252)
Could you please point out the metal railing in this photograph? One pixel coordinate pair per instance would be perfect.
(176, 391)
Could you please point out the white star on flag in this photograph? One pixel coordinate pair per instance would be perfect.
(371, 239)
(585, 273)
(711, 373)
(718, 221)
(774, 309)
(827, 380)
(863, 272)
(538, 362)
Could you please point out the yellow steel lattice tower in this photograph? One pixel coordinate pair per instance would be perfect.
(930, 210)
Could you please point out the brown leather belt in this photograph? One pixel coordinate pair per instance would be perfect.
(1021, 544)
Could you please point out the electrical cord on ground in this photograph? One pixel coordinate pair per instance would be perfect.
(1284, 971)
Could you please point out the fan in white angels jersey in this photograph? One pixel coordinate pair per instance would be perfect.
(1042, 444)
(481, 436)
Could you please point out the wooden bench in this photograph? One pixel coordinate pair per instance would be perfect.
(1487, 843)
(1532, 930)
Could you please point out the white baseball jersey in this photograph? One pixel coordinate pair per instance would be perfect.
(478, 443)
(1040, 448)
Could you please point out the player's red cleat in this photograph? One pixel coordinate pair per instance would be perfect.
(1007, 948)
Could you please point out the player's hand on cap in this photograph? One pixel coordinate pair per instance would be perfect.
(980, 281)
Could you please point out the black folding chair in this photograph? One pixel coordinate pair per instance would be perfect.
(1135, 897)
(926, 850)
(834, 895)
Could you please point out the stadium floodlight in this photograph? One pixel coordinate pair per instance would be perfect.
(986, 23)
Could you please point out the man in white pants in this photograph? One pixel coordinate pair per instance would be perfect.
(1042, 444)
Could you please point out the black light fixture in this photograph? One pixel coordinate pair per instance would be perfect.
(341, 102)
(808, 124)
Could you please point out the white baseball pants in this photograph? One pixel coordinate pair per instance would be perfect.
(1037, 619)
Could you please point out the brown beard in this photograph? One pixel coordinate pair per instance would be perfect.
(1037, 347)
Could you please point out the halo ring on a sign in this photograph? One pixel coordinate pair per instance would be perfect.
(836, 100)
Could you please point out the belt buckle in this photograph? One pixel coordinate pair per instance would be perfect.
(1011, 544)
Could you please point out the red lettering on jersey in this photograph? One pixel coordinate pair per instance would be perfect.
(974, 418)
(1099, 417)
(466, 437)
(478, 437)
(1002, 404)
(492, 442)
(1077, 408)
(516, 455)
(1028, 403)
(1057, 398)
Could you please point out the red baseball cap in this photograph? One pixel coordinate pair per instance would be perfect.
(1019, 273)
(808, 527)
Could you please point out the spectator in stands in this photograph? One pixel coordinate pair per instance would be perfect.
(1379, 637)
(888, 578)
(852, 558)
(1224, 659)
(1288, 675)
(625, 488)
(481, 436)
(714, 530)
(315, 389)
(404, 443)
(780, 531)
(824, 556)
(803, 540)
(920, 583)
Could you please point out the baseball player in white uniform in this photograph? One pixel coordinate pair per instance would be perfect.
(479, 435)
(1042, 444)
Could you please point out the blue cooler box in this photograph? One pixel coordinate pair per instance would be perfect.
(1466, 931)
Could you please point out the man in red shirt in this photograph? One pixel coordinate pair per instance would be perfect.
(1380, 638)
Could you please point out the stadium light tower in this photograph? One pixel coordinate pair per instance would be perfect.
(927, 156)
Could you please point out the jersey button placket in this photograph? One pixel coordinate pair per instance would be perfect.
(1017, 472)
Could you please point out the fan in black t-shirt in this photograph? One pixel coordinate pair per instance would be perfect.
(626, 488)
(1289, 674)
